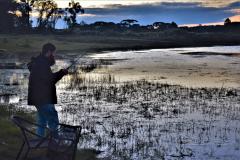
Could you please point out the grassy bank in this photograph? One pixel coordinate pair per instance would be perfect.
(9, 133)
(10, 136)
(26, 45)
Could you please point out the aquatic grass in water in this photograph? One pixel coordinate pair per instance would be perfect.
(149, 120)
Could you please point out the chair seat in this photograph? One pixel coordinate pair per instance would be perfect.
(60, 146)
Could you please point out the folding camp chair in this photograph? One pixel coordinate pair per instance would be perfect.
(60, 144)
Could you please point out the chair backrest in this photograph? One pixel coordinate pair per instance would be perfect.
(66, 142)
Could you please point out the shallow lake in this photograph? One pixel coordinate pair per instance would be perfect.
(180, 103)
(190, 67)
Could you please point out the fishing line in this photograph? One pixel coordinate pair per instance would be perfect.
(74, 62)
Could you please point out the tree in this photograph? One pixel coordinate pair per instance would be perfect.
(45, 11)
(227, 21)
(128, 22)
(71, 13)
(48, 14)
(101, 25)
(157, 25)
(162, 25)
(174, 24)
(7, 21)
(23, 12)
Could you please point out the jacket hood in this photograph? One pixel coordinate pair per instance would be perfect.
(37, 60)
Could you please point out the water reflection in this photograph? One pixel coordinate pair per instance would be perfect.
(190, 67)
(9, 99)
(128, 117)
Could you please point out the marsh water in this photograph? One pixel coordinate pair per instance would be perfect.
(190, 67)
(178, 103)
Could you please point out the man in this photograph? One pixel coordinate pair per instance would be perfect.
(42, 89)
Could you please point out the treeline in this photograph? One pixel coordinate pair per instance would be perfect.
(124, 25)
(17, 16)
(132, 25)
(228, 26)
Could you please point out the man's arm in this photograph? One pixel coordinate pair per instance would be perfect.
(58, 75)
(45, 74)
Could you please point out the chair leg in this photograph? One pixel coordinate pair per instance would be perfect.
(26, 154)
(20, 151)
(74, 153)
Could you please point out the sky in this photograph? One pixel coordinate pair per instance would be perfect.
(183, 12)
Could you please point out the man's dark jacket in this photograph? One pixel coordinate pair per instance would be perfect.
(41, 87)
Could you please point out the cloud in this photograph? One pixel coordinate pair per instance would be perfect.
(235, 11)
(235, 18)
(181, 13)
(234, 5)
(87, 15)
(203, 24)
(103, 3)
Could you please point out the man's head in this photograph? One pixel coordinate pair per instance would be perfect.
(48, 50)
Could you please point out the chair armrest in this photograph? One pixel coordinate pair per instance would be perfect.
(69, 128)
(16, 119)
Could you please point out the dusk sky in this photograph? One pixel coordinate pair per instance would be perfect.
(183, 12)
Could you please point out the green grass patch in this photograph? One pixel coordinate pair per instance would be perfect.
(10, 136)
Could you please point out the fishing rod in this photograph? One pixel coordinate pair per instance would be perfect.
(25, 65)
(74, 62)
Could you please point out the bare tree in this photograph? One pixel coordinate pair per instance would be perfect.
(73, 9)
(47, 11)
